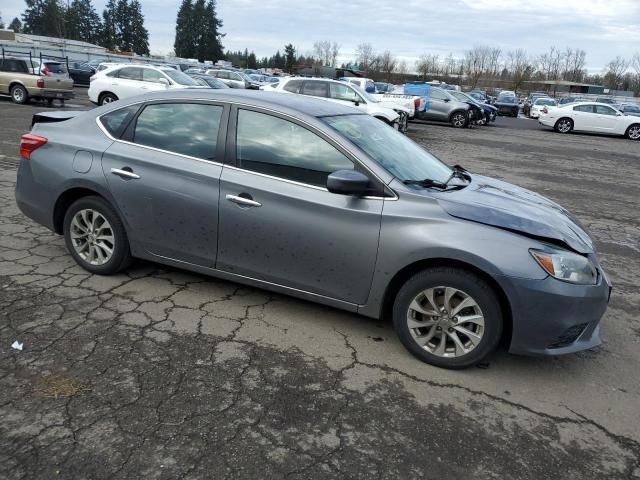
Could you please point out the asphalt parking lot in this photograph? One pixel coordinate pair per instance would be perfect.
(160, 373)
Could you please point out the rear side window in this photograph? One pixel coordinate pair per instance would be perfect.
(130, 73)
(584, 108)
(116, 122)
(277, 147)
(293, 86)
(315, 89)
(185, 128)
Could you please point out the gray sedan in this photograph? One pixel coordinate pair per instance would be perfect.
(315, 199)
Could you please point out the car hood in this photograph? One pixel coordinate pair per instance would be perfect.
(501, 204)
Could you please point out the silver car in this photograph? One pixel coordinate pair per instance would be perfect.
(231, 78)
(442, 106)
(317, 200)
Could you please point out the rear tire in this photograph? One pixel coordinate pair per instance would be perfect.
(96, 237)
(564, 125)
(19, 94)
(633, 132)
(481, 317)
(107, 98)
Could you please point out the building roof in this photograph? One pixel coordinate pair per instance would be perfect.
(566, 83)
(40, 39)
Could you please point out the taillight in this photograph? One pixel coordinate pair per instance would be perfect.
(416, 103)
(44, 71)
(40, 83)
(29, 143)
(545, 111)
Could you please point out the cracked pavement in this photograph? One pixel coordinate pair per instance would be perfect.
(161, 373)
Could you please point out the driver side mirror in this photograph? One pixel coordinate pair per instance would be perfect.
(348, 182)
(447, 100)
(164, 82)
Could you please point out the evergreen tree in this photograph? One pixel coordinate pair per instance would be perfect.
(184, 45)
(205, 27)
(1, 23)
(109, 28)
(16, 25)
(252, 61)
(43, 17)
(83, 23)
(290, 57)
(139, 34)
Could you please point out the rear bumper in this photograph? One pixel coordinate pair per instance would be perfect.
(44, 93)
(32, 198)
(551, 317)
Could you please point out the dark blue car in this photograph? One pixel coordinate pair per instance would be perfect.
(507, 105)
(489, 112)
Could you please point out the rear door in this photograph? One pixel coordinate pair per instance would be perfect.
(584, 118)
(280, 224)
(164, 175)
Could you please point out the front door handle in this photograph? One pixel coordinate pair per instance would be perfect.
(243, 201)
(125, 172)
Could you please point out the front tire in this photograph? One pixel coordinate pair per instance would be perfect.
(96, 237)
(19, 94)
(448, 317)
(459, 119)
(564, 125)
(633, 132)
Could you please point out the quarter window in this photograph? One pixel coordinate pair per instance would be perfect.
(185, 128)
(277, 147)
(115, 122)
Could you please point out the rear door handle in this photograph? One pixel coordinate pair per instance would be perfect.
(125, 172)
(245, 202)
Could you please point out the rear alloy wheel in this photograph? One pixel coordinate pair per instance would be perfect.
(448, 317)
(459, 120)
(95, 236)
(564, 125)
(107, 98)
(19, 94)
(633, 132)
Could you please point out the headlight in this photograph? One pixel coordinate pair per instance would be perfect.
(567, 266)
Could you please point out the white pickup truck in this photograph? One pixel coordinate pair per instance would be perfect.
(412, 103)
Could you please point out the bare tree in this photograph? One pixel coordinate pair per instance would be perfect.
(475, 63)
(402, 68)
(519, 66)
(428, 64)
(323, 52)
(388, 64)
(493, 62)
(364, 56)
(550, 63)
(616, 69)
(335, 51)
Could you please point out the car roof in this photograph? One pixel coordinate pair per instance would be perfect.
(311, 106)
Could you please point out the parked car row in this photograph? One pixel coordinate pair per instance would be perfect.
(18, 79)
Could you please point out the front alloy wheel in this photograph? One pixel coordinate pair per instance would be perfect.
(445, 321)
(448, 317)
(459, 120)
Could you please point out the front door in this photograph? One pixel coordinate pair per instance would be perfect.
(279, 223)
(606, 118)
(164, 176)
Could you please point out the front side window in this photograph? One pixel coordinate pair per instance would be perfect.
(603, 110)
(395, 152)
(185, 128)
(280, 148)
(149, 75)
(340, 91)
(115, 122)
(130, 73)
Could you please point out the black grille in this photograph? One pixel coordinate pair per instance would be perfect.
(568, 336)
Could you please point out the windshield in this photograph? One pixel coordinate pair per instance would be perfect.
(392, 150)
(180, 78)
(507, 99)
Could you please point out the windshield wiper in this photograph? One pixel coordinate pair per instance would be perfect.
(456, 171)
(426, 183)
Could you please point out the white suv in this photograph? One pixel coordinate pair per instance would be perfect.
(342, 92)
(126, 80)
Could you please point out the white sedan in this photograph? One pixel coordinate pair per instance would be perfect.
(539, 105)
(591, 117)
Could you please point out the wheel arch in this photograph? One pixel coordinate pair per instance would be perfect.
(408, 271)
(76, 192)
(105, 92)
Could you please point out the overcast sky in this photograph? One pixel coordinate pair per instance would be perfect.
(604, 28)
